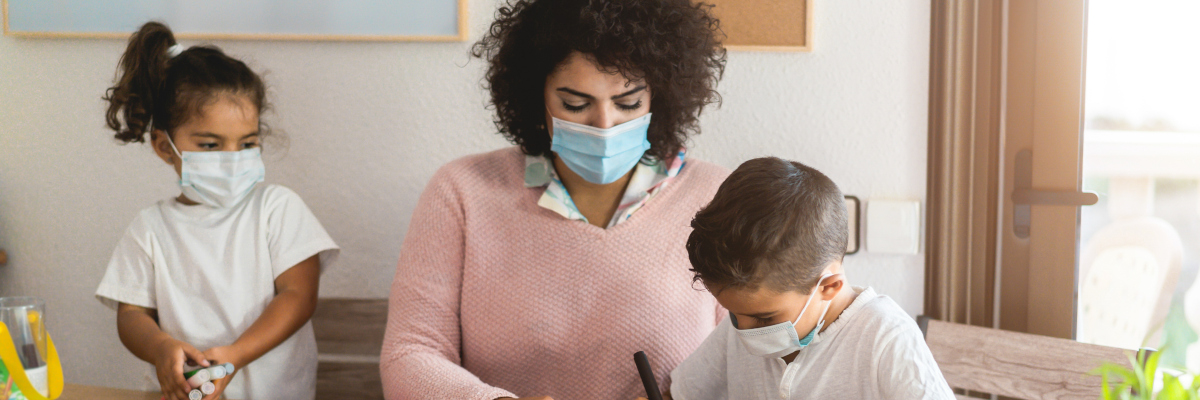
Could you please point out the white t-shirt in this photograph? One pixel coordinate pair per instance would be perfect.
(210, 273)
(873, 350)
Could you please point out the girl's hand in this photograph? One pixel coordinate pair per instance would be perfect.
(170, 355)
(221, 355)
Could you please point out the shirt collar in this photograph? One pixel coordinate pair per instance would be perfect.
(539, 171)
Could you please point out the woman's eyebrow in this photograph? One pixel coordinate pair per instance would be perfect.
(590, 97)
(576, 92)
(249, 135)
(631, 92)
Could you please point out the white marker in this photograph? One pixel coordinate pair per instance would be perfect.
(216, 372)
(208, 388)
(195, 394)
(199, 378)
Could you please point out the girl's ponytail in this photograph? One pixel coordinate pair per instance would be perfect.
(161, 88)
(141, 80)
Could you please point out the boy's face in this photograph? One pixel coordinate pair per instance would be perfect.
(756, 308)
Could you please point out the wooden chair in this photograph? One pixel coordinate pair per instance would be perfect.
(349, 337)
(981, 360)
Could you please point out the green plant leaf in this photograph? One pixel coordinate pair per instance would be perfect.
(1105, 392)
(1172, 389)
(1138, 372)
(1151, 372)
(1126, 375)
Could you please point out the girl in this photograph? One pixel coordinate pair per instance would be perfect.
(228, 270)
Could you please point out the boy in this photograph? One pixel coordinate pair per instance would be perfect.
(769, 247)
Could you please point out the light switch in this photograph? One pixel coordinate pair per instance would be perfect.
(893, 226)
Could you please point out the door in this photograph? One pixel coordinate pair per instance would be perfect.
(1041, 166)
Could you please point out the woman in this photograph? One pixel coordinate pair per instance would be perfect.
(538, 270)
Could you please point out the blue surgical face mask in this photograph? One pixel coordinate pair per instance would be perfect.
(601, 156)
(219, 179)
(780, 339)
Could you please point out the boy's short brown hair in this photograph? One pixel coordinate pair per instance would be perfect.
(773, 223)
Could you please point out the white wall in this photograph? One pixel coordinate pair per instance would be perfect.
(369, 123)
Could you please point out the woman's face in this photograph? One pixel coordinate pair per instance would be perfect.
(578, 91)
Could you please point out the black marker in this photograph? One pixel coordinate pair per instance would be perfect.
(643, 366)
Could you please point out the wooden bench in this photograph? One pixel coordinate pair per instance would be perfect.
(349, 337)
(981, 361)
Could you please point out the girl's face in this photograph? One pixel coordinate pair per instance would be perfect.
(578, 91)
(229, 123)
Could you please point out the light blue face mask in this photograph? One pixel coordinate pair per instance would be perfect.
(601, 156)
(781, 339)
(219, 179)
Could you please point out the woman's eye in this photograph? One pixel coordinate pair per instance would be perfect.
(249, 145)
(630, 107)
(208, 146)
(573, 108)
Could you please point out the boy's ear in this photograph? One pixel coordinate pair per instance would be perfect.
(832, 285)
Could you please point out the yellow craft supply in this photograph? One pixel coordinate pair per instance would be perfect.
(38, 332)
(18, 379)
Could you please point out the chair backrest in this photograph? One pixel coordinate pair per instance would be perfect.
(349, 337)
(1129, 271)
(1018, 365)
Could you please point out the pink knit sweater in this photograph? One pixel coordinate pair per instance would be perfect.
(495, 296)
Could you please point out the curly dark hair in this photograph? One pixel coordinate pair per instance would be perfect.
(674, 45)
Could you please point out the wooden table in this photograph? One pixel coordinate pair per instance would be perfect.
(81, 392)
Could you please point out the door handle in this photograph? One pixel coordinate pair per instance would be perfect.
(1053, 197)
(1024, 195)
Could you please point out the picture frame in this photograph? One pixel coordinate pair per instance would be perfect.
(312, 20)
(853, 217)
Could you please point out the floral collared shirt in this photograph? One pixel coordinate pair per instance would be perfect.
(647, 180)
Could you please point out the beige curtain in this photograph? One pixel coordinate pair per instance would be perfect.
(965, 96)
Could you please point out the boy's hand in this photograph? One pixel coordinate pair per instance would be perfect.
(170, 355)
(221, 355)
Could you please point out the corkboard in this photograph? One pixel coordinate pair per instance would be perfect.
(765, 25)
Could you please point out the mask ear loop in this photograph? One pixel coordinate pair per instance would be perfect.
(173, 148)
(824, 314)
(814, 294)
(150, 127)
